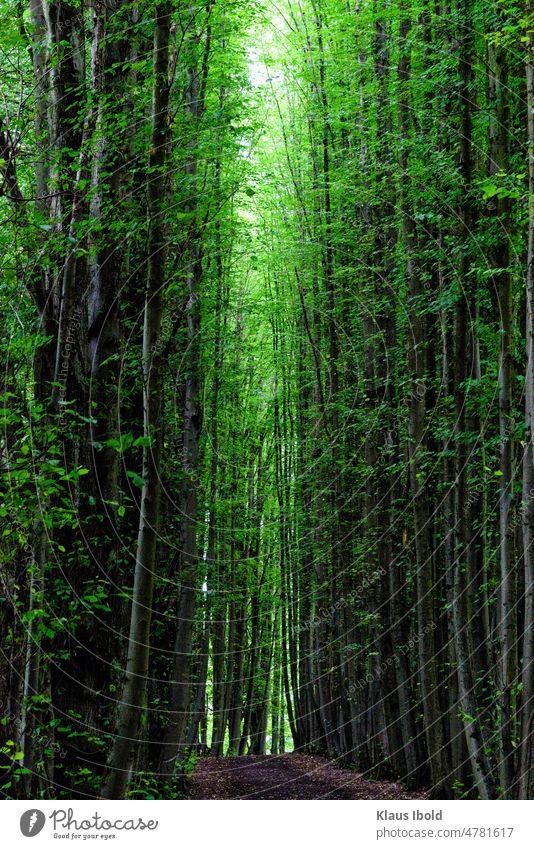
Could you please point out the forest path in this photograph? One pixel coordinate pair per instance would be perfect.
(289, 776)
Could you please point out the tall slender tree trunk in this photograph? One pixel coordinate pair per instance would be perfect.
(134, 690)
(179, 691)
(526, 776)
(417, 439)
(502, 282)
(464, 353)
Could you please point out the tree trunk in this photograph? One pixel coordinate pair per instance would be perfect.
(133, 695)
(526, 780)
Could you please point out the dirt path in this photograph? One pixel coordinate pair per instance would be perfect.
(291, 776)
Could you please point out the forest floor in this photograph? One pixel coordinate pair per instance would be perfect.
(289, 776)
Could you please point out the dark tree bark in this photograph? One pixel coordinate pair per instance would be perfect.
(526, 778)
(133, 695)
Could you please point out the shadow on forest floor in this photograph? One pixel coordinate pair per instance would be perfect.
(289, 776)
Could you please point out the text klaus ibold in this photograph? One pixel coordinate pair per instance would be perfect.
(385, 815)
